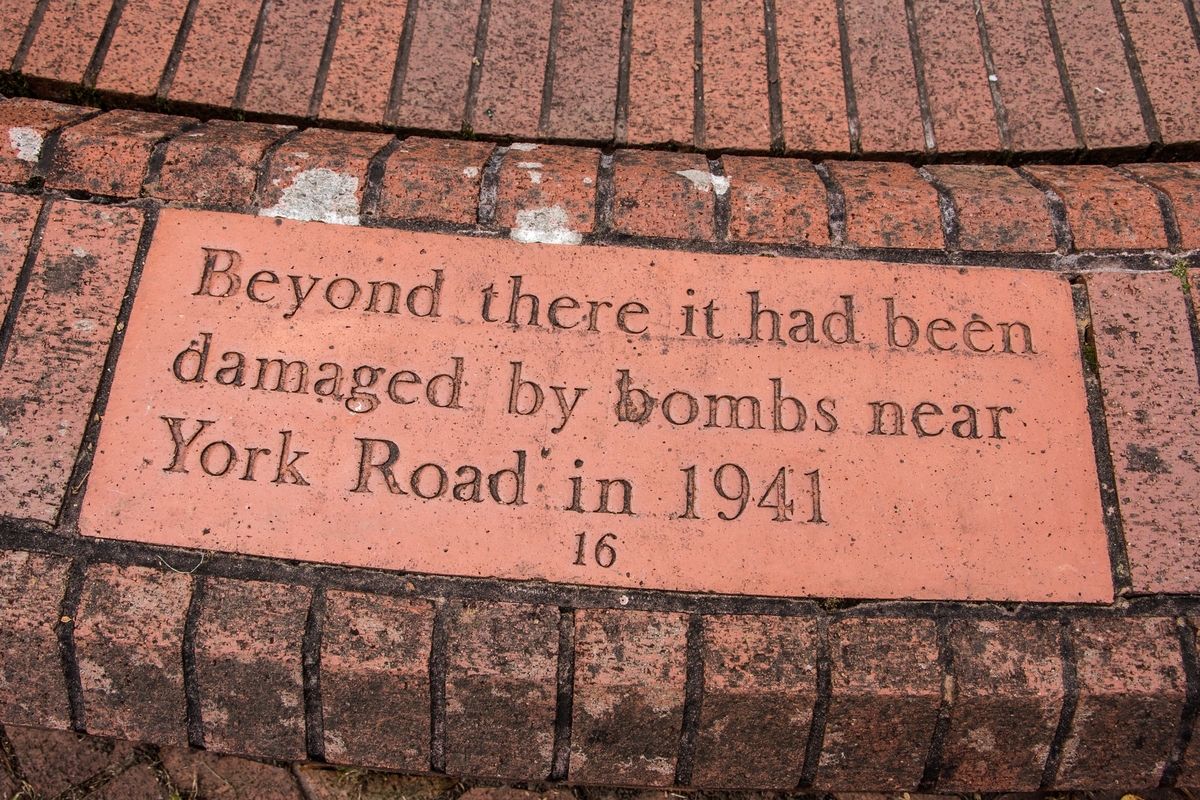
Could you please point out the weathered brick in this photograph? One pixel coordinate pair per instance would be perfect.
(887, 686)
(288, 58)
(56, 356)
(501, 687)
(661, 73)
(736, 115)
(322, 783)
(1131, 692)
(18, 215)
(248, 667)
(136, 783)
(548, 193)
(630, 668)
(376, 647)
(884, 81)
(368, 40)
(997, 210)
(129, 640)
(24, 125)
(511, 793)
(1189, 765)
(514, 68)
(1008, 694)
(1106, 210)
(65, 39)
(760, 684)
(14, 19)
(1181, 183)
(1148, 377)
(215, 164)
(212, 60)
(220, 776)
(776, 200)
(434, 179)
(32, 690)
(320, 174)
(584, 101)
(888, 205)
(110, 154)
(439, 65)
(141, 46)
(1170, 65)
(812, 87)
(654, 196)
(53, 761)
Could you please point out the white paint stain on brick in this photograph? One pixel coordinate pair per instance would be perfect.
(318, 194)
(705, 181)
(523, 147)
(471, 172)
(27, 142)
(545, 225)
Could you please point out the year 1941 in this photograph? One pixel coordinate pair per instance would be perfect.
(732, 484)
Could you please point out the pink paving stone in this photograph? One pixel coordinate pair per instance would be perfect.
(997, 209)
(1181, 183)
(136, 783)
(140, 47)
(736, 114)
(1148, 376)
(810, 73)
(215, 52)
(514, 68)
(320, 782)
(215, 164)
(661, 73)
(776, 200)
(320, 174)
(288, 58)
(433, 179)
(14, 19)
(1170, 62)
(434, 95)
(653, 195)
(884, 81)
(65, 40)
(1105, 209)
(584, 101)
(58, 348)
(24, 125)
(32, 691)
(888, 205)
(368, 40)
(548, 193)
(228, 778)
(55, 760)
(18, 214)
(129, 641)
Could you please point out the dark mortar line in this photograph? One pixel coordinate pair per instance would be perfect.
(68, 517)
(693, 700)
(50, 145)
(489, 187)
(158, 155)
(1193, 315)
(1149, 118)
(624, 65)
(263, 169)
(373, 190)
(698, 119)
(820, 713)
(1063, 239)
(989, 64)
(836, 208)
(1165, 207)
(439, 654)
(949, 211)
(605, 193)
(721, 202)
(937, 743)
(1066, 717)
(774, 87)
(556, 14)
(31, 32)
(1193, 20)
(96, 63)
(391, 115)
(106, 775)
(477, 59)
(167, 79)
(310, 649)
(918, 59)
(565, 695)
(65, 628)
(853, 125)
(155, 764)
(251, 61)
(1110, 508)
(1191, 704)
(9, 326)
(1064, 76)
(331, 37)
(12, 762)
(193, 713)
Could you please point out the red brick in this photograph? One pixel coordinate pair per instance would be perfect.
(1027, 74)
(888, 205)
(548, 193)
(584, 101)
(320, 174)
(223, 777)
(292, 43)
(736, 115)
(58, 348)
(434, 179)
(439, 65)
(1131, 692)
(1106, 210)
(760, 684)
(368, 39)
(960, 101)
(810, 76)
(661, 73)
(1189, 773)
(216, 49)
(322, 783)
(514, 68)
(215, 164)
(65, 40)
(18, 214)
(1104, 94)
(1181, 183)
(14, 19)
(1166, 51)
(885, 84)
(776, 200)
(129, 640)
(887, 686)
(652, 198)
(140, 47)
(377, 647)
(32, 691)
(110, 154)
(510, 793)
(1148, 376)
(501, 687)
(24, 125)
(998, 211)
(1008, 695)
(630, 669)
(53, 761)
(248, 667)
(136, 783)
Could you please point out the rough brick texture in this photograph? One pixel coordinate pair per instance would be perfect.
(1180, 183)
(812, 87)
(776, 200)
(514, 68)
(24, 125)
(110, 154)
(736, 114)
(884, 81)
(66, 39)
(32, 690)
(289, 56)
(661, 67)
(1105, 209)
(584, 102)
(368, 40)
(18, 215)
(548, 192)
(433, 179)
(212, 60)
(215, 164)
(888, 205)
(14, 19)
(434, 95)
(320, 175)
(215, 775)
(1170, 67)
(140, 47)
(662, 194)
(53, 761)
(996, 210)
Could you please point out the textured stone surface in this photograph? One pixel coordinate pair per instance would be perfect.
(368, 40)
(136, 783)
(736, 116)
(996, 209)
(1167, 54)
(776, 200)
(812, 87)
(32, 691)
(288, 58)
(1106, 210)
(652, 198)
(110, 154)
(888, 205)
(630, 668)
(66, 39)
(514, 68)
(320, 175)
(661, 67)
(227, 778)
(1181, 183)
(215, 164)
(215, 52)
(140, 47)
(584, 102)
(53, 761)
(548, 193)
(434, 179)
(14, 19)
(884, 81)
(18, 215)
(1148, 376)
(439, 65)
(322, 783)
(24, 125)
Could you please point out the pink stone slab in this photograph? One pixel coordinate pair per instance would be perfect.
(937, 516)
